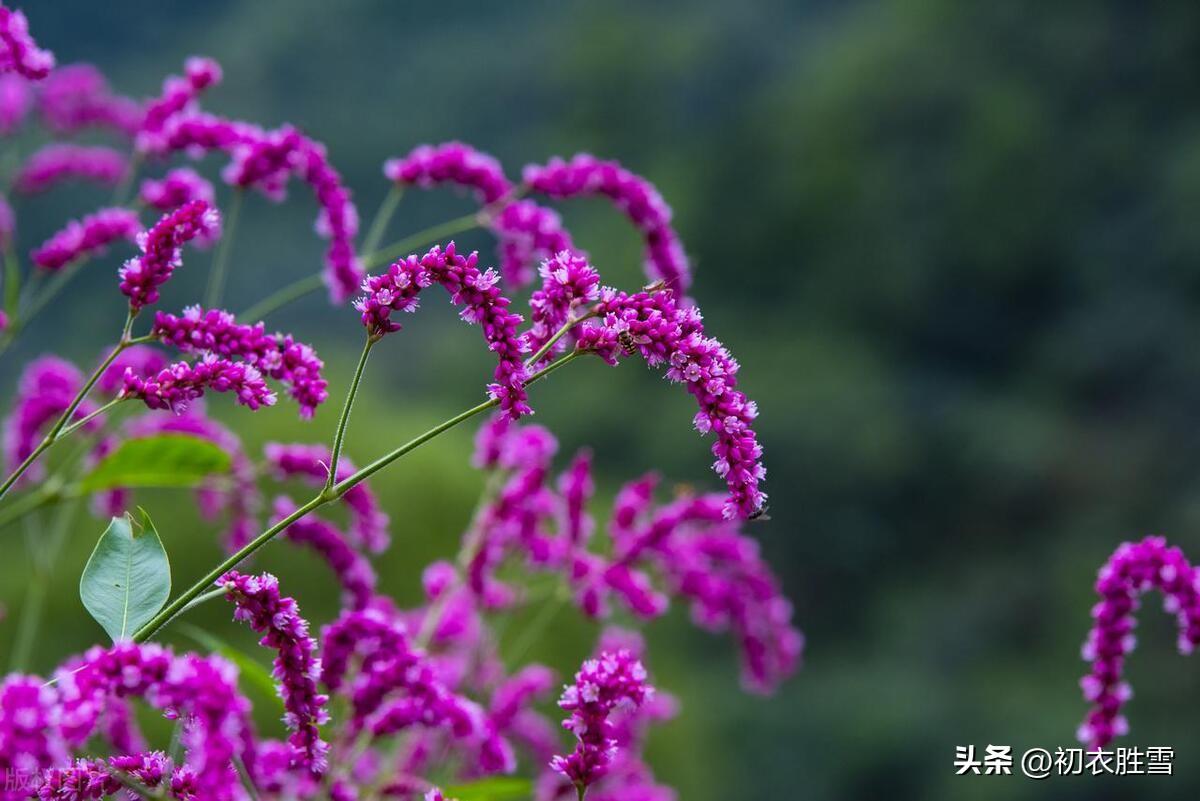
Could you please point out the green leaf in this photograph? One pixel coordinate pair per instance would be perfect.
(165, 460)
(250, 669)
(128, 577)
(494, 788)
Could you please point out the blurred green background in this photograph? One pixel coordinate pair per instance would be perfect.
(954, 245)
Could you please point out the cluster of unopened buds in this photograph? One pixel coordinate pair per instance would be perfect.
(382, 701)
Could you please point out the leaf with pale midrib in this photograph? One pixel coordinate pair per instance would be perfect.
(128, 577)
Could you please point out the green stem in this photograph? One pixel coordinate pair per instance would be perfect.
(434, 233)
(49, 492)
(83, 421)
(339, 434)
(277, 300)
(56, 431)
(216, 277)
(121, 193)
(382, 217)
(529, 635)
(44, 556)
(338, 490)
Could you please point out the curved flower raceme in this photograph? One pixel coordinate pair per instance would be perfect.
(297, 667)
(277, 355)
(56, 163)
(44, 391)
(352, 569)
(638, 198)
(87, 237)
(162, 246)
(337, 221)
(176, 386)
(450, 163)
(653, 324)
(18, 52)
(475, 291)
(613, 681)
(368, 523)
(1133, 569)
(77, 96)
(179, 94)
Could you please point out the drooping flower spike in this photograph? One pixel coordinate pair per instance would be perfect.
(529, 234)
(368, 523)
(162, 247)
(653, 324)
(179, 94)
(87, 237)
(56, 163)
(475, 291)
(1133, 569)
(18, 52)
(77, 96)
(277, 355)
(450, 163)
(569, 286)
(297, 667)
(614, 681)
(641, 202)
(178, 385)
(176, 188)
(352, 569)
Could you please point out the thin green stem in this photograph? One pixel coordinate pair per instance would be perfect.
(48, 493)
(277, 300)
(339, 434)
(56, 431)
(338, 490)
(121, 193)
(216, 277)
(56, 285)
(83, 421)
(530, 634)
(458, 225)
(43, 551)
(382, 217)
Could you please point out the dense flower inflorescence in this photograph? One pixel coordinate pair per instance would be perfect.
(18, 51)
(16, 98)
(653, 324)
(635, 196)
(352, 569)
(176, 386)
(529, 234)
(179, 94)
(611, 682)
(44, 392)
(77, 96)
(569, 283)
(297, 667)
(176, 188)
(28, 739)
(450, 163)
(161, 251)
(277, 355)
(87, 237)
(475, 291)
(337, 221)
(1131, 571)
(56, 163)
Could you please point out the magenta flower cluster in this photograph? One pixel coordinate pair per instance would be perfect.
(176, 386)
(56, 163)
(1133, 569)
(18, 51)
(297, 668)
(76, 97)
(476, 291)
(161, 251)
(44, 393)
(87, 237)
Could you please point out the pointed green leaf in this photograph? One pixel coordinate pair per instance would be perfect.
(128, 577)
(493, 788)
(165, 460)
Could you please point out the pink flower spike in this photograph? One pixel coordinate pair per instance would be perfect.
(77, 96)
(1132, 570)
(54, 164)
(18, 51)
(179, 94)
(162, 247)
(178, 385)
(15, 99)
(585, 175)
(87, 237)
(450, 163)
